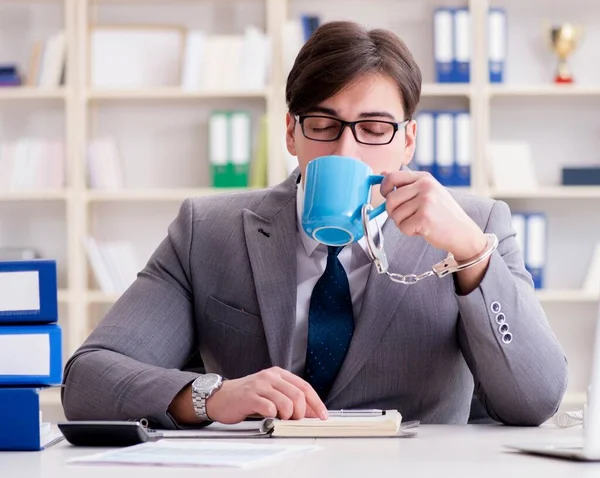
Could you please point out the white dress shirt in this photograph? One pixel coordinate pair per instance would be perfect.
(311, 259)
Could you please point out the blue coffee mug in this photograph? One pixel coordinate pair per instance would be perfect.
(335, 190)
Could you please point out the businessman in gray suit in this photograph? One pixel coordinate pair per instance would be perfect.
(288, 327)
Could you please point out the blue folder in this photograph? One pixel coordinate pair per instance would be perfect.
(20, 427)
(47, 290)
(8, 371)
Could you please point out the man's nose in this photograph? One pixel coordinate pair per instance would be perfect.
(346, 145)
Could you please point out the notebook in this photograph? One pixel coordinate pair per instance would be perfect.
(346, 424)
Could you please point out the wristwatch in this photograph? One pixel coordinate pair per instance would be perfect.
(202, 388)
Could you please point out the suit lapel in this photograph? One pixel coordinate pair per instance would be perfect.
(271, 241)
(382, 298)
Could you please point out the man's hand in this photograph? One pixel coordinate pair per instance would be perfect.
(273, 392)
(420, 206)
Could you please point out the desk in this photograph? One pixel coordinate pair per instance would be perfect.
(472, 451)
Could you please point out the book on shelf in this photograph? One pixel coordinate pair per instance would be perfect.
(104, 165)
(32, 163)
(9, 75)
(114, 264)
(47, 63)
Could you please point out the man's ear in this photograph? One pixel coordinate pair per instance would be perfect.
(290, 138)
(410, 138)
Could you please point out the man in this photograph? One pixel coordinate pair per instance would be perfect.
(239, 282)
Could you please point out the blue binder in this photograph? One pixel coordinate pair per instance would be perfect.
(462, 45)
(45, 294)
(20, 427)
(443, 45)
(535, 250)
(496, 44)
(463, 155)
(18, 371)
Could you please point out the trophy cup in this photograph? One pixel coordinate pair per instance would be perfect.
(563, 40)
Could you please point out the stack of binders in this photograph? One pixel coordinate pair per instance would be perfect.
(30, 351)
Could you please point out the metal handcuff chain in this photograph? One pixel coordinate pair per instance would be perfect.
(443, 268)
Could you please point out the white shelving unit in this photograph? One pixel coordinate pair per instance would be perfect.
(163, 134)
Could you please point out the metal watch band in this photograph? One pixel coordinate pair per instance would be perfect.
(199, 400)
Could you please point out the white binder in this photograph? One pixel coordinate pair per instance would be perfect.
(496, 44)
(462, 45)
(462, 128)
(442, 49)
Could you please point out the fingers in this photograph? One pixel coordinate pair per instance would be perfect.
(398, 179)
(313, 401)
(401, 196)
(295, 395)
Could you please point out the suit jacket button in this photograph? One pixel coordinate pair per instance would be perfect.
(503, 329)
(495, 307)
(507, 338)
(500, 318)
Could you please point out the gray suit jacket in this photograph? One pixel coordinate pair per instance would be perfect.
(223, 282)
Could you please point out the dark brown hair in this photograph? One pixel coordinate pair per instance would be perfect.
(338, 53)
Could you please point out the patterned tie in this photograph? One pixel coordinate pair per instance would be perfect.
(330, 325)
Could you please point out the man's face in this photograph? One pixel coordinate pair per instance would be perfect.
(373, 97)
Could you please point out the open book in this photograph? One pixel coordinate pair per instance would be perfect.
(386, 424)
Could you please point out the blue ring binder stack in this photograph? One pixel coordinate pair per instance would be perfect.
(30, 349)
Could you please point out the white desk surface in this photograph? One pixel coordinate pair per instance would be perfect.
(439, 450)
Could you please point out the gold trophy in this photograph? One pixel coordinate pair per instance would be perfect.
(564, 39)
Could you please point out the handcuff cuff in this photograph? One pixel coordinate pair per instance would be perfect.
(447, 266)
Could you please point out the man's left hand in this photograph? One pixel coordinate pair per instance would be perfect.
(420, 206)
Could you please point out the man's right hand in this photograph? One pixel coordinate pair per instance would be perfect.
(272, 392)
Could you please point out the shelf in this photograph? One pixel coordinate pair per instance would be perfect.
(31, 93)
(556, 192)
(99, 297)
(34, 195)
(151, 195)
(446, 89)
(171, 93)
(50, 397)
(575, 295)
(543, 90)
(63, 296)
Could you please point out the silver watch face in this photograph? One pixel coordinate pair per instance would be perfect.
(207, 382)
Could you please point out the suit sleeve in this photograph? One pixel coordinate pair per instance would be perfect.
(518, 365)
(129, 367)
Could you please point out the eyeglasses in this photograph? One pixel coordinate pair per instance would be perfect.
(326, 129)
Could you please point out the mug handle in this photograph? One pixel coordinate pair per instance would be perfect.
(371, 181)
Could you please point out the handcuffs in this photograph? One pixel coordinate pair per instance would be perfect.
(448, 266)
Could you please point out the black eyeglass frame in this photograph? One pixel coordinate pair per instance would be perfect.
(352, 125)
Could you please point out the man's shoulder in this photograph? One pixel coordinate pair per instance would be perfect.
(227, 204)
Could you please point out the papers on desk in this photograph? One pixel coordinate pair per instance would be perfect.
(192, 453)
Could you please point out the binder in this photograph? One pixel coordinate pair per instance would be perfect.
(463, 160)
(535, 250)
(496, 44)
(241, 147)
(218, 149)
(425, 145)
(443, 45)
(30, 355)
(444, 148)
(462, 45)
(21, 428)
(28, 291)
(518, 222)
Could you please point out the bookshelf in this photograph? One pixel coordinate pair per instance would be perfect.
(163, 134)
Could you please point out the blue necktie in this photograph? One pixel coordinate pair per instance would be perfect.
(330, 325)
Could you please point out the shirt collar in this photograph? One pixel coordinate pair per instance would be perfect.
(310, 245)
